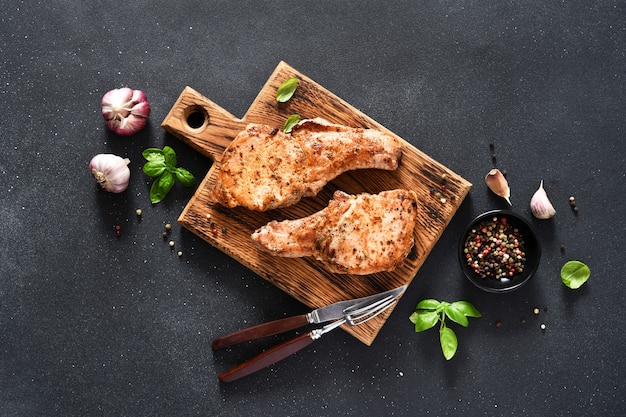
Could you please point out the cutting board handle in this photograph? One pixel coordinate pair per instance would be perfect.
(202, 124)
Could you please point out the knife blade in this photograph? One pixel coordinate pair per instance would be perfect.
(337, 310)
(320, 315)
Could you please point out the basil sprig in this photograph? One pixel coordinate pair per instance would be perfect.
(428, 312)
(162, 166)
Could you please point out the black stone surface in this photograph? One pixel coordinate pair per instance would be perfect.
(97, 325)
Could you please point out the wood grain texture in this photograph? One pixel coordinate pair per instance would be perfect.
(305, 278)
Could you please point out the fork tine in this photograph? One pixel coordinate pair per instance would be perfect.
(360, 316)
(357, 320)
(356, 310)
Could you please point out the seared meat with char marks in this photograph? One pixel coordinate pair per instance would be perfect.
(360, 234)
(264, 169)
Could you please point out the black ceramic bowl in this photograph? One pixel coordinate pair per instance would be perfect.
(516, 226)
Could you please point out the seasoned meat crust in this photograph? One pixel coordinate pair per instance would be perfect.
(360, 234)
(263, 168)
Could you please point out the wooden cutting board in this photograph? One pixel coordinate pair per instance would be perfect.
(208, 128)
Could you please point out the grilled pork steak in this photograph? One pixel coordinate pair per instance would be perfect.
(360, 234)
(263, 169)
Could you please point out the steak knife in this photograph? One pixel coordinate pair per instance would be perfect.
(334, 311)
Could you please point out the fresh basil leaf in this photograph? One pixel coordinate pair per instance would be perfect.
(154, 168)
(428, 304)
(424, 320)
(161, 186)
(185, 177)
(286, 90)
(153, 154)
(574, 274)
(429, 311)
(170, 156)
(466, 308)
(449, 342)
(291, 122)
(162, 165)
(456, 315)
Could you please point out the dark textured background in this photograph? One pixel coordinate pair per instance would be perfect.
(95, 325)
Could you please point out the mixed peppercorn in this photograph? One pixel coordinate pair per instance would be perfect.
(495, 249)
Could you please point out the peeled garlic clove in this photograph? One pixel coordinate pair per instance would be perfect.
(498, 184)
(540, 204)
(111, 172)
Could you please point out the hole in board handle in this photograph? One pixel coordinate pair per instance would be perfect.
(196, 118)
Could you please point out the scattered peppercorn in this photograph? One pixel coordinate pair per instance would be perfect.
(493, 158)
(495, 249)
(536, 311)
(172, 243)
(180, 253)
(224, 229)
(562, 248)
(492, 145)
(441, 190)
(168, 226)
(118, 230)
(498, 323)
(164, 235)
(138, 212)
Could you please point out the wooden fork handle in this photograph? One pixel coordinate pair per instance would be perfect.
(259, 331)
(267, 358)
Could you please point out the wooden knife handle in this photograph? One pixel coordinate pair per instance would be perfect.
(267, 358)
(260, 330)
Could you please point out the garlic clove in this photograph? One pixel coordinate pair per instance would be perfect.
(540, 205)
(498, 184)
(111, 172)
